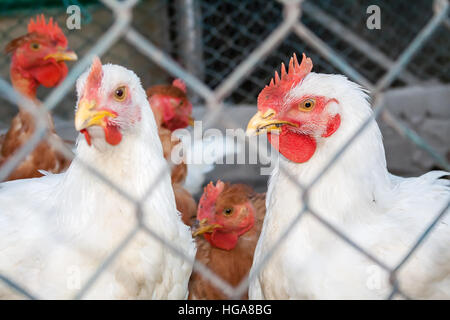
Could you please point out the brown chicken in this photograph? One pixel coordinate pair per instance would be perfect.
(230, 219)
(37, 59)
(172, 110)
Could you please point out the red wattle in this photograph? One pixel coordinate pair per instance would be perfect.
(296, 147)
(112, 134)
(51, 74)
(86, 136)
(222, 240)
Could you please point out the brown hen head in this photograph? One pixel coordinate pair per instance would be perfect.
(39, 56)
(225, 212)
(170, 105)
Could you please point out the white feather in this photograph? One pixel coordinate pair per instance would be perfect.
(56, 230)
(382, 213)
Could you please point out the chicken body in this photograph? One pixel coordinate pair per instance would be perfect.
(172, 111)
(185, 201)
(38, 59)
(56, 230)
(43, 157)
(382, 213)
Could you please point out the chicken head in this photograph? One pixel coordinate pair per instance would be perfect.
(225, 212)
(293, 114)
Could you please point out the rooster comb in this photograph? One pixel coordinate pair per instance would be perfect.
(214, 190)
(295, 73)
(51, 29)
(271, 96)
(179, 84)
(94, 79)
(210, 194)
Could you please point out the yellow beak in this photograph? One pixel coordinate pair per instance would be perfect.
(66, 55)
(86, 115)
(205, 227)
(260, 123)
(191, 121)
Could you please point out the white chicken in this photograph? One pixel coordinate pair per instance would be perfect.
(56, 230)
(308, 117)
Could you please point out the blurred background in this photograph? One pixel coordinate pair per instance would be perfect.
(211, 38)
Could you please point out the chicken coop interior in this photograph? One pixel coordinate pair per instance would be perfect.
(231, 49)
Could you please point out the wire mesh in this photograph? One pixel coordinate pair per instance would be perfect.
(236, 60)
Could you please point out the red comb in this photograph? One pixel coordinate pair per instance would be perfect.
(49, 29)
(211, 191)
(208, 199)
(295, 74)
(94, 79)
(278, 86)
(179, 84)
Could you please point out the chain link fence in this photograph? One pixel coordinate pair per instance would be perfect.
(226, 51)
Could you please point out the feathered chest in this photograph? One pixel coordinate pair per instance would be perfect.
(340, 198)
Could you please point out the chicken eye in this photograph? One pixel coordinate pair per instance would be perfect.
(227, 211)
(307, 105)
(120, 93)
(176, 103)
(35, 46)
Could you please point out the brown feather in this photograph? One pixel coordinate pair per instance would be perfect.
(165, 135)
(233, 193)
(166, 90)
(184, 200)
(17, 42)
(185, 204)
(43, 157)
(179, 173)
